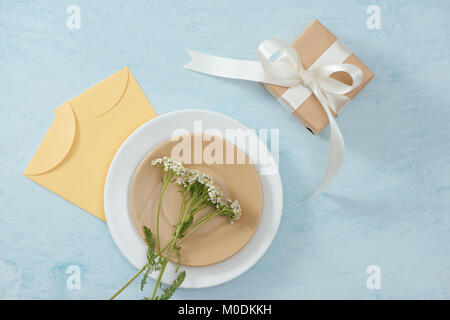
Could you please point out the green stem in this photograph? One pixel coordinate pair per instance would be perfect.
(207, 217)
(191, 200)
(130, 281)
(198, 208)
(183, 206)
(137, 274)
(166, 260)
(166, 183)
(199, 224)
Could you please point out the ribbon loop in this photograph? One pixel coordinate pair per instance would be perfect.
(331, 85)
(282, 68)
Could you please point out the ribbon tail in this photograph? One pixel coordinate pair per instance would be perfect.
(337, 101)
(337, 148)
(231, 68)
(225, 67)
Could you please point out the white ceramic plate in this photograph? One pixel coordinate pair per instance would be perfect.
(121, 173)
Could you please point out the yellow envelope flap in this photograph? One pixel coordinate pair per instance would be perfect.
(97, 100)
(74, 156)
(56, 144)
(104, 96)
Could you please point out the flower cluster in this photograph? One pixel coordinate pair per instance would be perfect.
(236, 209)
(202, 184)
(170, 166)
(231, 209)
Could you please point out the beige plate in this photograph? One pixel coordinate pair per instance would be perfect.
(218, 239)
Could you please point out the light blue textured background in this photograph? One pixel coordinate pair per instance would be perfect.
(389, 206)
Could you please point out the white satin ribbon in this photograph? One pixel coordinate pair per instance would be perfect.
(287, 71)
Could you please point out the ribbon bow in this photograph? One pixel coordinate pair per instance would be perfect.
(287, 71)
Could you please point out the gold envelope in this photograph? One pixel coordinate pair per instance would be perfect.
(74, 157)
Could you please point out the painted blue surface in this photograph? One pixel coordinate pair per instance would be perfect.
(389, 206)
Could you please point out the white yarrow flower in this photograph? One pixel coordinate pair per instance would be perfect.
(202, 183)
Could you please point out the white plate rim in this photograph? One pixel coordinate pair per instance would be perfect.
(130, 244)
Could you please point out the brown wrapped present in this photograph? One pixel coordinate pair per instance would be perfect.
(310, 45)
(313, 79)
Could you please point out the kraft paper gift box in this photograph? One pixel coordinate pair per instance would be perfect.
(310, 45)
(74, 157)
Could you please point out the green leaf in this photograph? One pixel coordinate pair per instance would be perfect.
(169, 291)
(154, 264)
(149, 238)
(144, 278)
